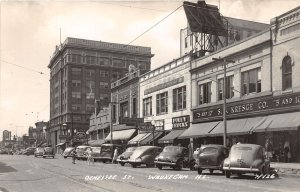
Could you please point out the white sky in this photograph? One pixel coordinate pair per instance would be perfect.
(29, 31)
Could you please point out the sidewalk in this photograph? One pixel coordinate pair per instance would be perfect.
(287, 169)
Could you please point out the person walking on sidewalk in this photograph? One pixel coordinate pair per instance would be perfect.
(114, 160)
(74, 153)
(90, 157)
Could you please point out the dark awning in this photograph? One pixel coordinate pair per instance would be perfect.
(149, 138)
(279, 122)
(137, 138)
(237, 126)
(121, 135)
(198, 130)
(169, 138)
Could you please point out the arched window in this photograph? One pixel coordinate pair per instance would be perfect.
(286, 73)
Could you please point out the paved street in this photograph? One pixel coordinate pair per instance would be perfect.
(26, 173)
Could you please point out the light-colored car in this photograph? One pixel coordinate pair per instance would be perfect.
(123, 158)
(246, 158)
(39, 152)
(144, 155)
(48, 152)
(68, 151)
(96, 153)
(81, 152)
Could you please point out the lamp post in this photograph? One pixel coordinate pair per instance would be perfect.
(87, 137)
(225, 61)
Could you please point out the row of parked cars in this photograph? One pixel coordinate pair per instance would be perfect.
(242, 158)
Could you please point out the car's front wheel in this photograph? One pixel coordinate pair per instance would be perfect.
(133, 165)
(159, 167)
(122, 164)
(227, 174)
(65, 157)
(211, 171)
(180, 165)
(199, 171)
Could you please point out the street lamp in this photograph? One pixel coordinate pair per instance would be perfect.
(225, 61)
(87, 137)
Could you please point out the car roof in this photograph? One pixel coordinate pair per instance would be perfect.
(254, 146)
(148, 147)
(174, 146)
(213, 145)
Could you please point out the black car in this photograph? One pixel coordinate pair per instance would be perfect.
(211, 157)
(29, 151)
(123, 158)
(48, 152)
(175, 157)
(107, 152)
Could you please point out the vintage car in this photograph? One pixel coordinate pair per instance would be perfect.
(68, 152)
(107, 152)
(246, 158)
(144, 155)
(211, 157)
(29, 151)
(39, 152)
(81, 152)
(96, 153)
(175, 157)
(123, 158)
(48, 152)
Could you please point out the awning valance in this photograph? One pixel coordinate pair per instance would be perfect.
(237, 126)
(279, 122)
(98, 127)
(121, 135)
(137, 138)
(169, 138)
(198, 130)
(149, 138)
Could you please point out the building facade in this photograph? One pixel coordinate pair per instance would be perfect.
(82, 71)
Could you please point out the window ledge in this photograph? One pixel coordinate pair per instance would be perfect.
(287, 91)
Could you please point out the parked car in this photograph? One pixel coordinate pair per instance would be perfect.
(3, 151)
(107, 152)
(246, 158)
(29, 151)
(175, 157)
(144, 155)
(68, 151)
(48, 152)
(123, 158)
(81, 152)
(39, 152)
(211, 157)
(96, 153)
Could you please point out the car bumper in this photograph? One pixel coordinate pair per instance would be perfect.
(240, 169)
(165, 163)
(208, 167)
(134, 161)
(122, 160)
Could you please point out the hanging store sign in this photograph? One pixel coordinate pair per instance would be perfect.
(159, 125)
(80, 135)
(147, 127)
(263, 105)
(164, 85)
(182, 122)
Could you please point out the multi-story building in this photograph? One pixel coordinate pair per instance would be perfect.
(262, 90)
(165, 99)
(82, 71)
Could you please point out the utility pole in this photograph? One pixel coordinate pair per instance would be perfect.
(225, 61)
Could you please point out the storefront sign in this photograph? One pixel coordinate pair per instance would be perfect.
(164, 85)
(130, 121)
(80, 135)
(182, 122)
(159, 125)
(262, 105)
(147, 127)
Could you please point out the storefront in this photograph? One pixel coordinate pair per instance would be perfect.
(121, 134)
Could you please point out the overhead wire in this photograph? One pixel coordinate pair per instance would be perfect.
(27, 68)
(150, 9)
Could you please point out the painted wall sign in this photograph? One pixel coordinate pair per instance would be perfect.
(130, 121)
(147, 127)
(182, 122)
(261, 105)
(164, 85)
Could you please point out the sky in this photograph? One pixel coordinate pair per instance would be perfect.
(30, 30)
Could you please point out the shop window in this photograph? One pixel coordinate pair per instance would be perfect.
(179, 98)
(147, 106)
(124, 109)
(134, 104)
(251, 81)
(229, 88)
(286, 73)
(162, 103)
(204, 93)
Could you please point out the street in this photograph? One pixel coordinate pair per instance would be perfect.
(27, 173)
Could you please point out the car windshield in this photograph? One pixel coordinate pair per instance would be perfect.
(130, 149)
(138, 152)
(81, 148)
(173, 149)
(209, 150)
(48, 149)
(39, 149)
(106, 148)
(96, 149)
(242, 149)
(69, 149)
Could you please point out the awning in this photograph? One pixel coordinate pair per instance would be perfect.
(121, 135)
(279, 122)
(60, 144)
(137, 138)
(96, 143)
(237, 126)
(198, 130)
(149, 138)
(169, 138)
(119, 127)
(98, 127)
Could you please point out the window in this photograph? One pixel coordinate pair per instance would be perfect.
(90, 108)
(179, 98)
(114, 113)
(229, 88)
(134, 104)
(286, 73)
(103, 73)
(76, 83)
(103, 61)
(124, 109)
(90, 59)
(205, 93)
(75, 58)
(104, 85)
(104, 96)
(119, 63)
(90, 95)
(76, 95)
(147, 106)
(90, 89)
(251, 81)
(76, 107)
(90, 73)
(185, 42)
(162, 103)
(76, 71)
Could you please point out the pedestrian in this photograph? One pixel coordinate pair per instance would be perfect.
(90, 157)
(114, 160)
(74, 153)
(269, 149)
(287, 151)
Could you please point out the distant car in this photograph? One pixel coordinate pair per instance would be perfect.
(68, 151)
(39, 152)
(48, 152)
(144, 155)
(107, 152)
(123, 158)
(3, 151)
(246, 158)
(96, 153)
(175, 157)
(81, 152)
(29, 151)
(211, 157)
